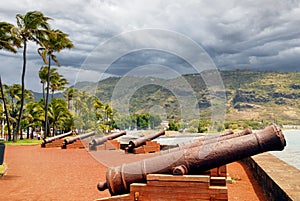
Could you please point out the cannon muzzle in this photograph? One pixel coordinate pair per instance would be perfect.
(195, 159)
(50, 139)
(142, 141)
(78, 137)
(99, 141)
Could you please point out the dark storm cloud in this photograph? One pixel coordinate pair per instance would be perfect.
(146, 57)
(262, 35)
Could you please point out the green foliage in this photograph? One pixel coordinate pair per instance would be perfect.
(24, 142)
(7, 39)
(203, 126)
(59, 115)
(173, 126)
(239, 125)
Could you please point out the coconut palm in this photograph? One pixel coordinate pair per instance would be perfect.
(7, 40)
(10, 43)
(43, 74)
(31, 27)
(55, 41)
(58, 112)
(43, 77)
(33, 115)
(57, 83)
(5, 110)
(15, 94)
(69, 93)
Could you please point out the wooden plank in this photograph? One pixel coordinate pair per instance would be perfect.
(168, 177)
(151, 147)
(218, 189)
(199, 185)
(111, 145)
(139, 150)
(75, 145)
(174, 189)
(124, 197)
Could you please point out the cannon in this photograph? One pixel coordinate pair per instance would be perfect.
(51, 139)
(194, 160)
(78, 137)
(142, 141)
(99, 141)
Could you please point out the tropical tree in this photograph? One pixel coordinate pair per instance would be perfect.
(69, 93)
(10, 43)
(57, 83)
(43, 72)
(58, 113)
(14, 94)
(31, 27)
(33, 116)
(55, 41)
(5, 110)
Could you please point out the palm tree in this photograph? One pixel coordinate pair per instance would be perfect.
(15, 93)
(34, 115)
(7, 42)
(55, 41)
(57, 83)
(69, 94)
(5, 110)
(31, 27)
(43, 76)
(58, 112)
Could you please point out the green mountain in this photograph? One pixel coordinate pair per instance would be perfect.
(250, 95)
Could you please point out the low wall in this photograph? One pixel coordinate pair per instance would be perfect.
(279, 180)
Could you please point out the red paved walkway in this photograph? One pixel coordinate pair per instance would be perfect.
(56, 174)
(50, 174)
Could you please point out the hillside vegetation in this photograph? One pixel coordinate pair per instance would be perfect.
(250, 95)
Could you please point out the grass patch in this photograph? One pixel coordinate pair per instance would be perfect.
(3, 169)
(24, 142)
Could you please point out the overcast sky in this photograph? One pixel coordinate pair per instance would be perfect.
(262, 35)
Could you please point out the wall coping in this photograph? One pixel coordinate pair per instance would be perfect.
(284, 175)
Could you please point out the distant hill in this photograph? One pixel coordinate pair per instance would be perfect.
(38, 96)
(250, 95)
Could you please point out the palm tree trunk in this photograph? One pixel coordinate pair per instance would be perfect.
(5, 110)
(46, 100)
(22, 97)
(43, 85)
(28, 132)
(53, 129)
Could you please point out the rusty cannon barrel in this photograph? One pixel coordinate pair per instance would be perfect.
(142, 141)
(208, 140)
(195, 160)
(98, 141)
(78, 137)
(50, 139)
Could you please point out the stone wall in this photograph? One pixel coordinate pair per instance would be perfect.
(279, 180)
